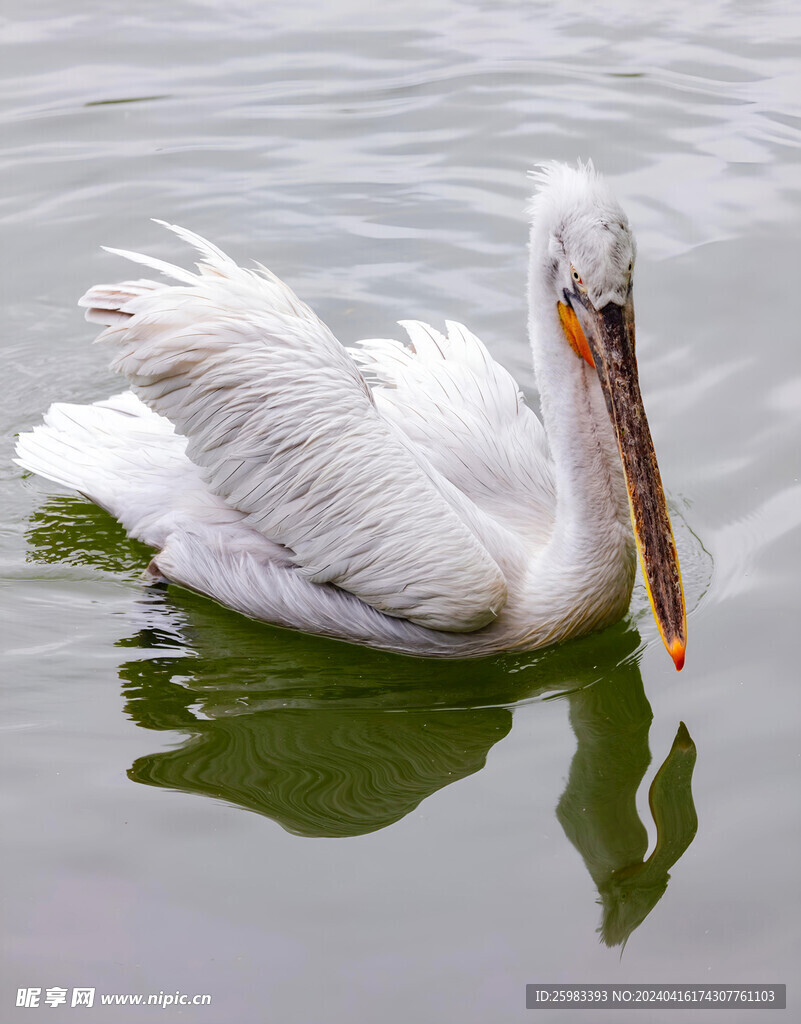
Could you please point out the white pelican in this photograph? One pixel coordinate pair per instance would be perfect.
(428, 512)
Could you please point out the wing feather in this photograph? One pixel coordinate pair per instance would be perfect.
(467, 415)
(285, 428)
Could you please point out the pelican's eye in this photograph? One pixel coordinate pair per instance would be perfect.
(576, 275)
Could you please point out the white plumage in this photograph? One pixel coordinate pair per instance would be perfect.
(426, 512)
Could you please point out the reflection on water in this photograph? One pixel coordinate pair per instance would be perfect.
(329, 773)
(331, 740)
(631, 892)
(598, 810)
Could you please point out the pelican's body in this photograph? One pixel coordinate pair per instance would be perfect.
(428, 512)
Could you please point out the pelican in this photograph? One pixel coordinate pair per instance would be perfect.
(401, 496)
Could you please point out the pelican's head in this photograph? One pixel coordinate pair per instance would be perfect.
(583, 255)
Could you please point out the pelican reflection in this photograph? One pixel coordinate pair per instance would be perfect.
(335, 741)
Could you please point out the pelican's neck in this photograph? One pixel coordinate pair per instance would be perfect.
(592, 540)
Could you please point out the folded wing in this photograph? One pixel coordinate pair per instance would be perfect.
(286, 430)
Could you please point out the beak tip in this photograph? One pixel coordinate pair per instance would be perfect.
(676, 651)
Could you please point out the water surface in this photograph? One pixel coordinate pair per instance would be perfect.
(312, 832)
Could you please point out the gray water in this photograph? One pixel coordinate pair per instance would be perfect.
(306, 831)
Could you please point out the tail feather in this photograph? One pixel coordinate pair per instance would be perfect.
(123, 457)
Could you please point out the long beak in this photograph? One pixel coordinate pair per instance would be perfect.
(610, 334)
